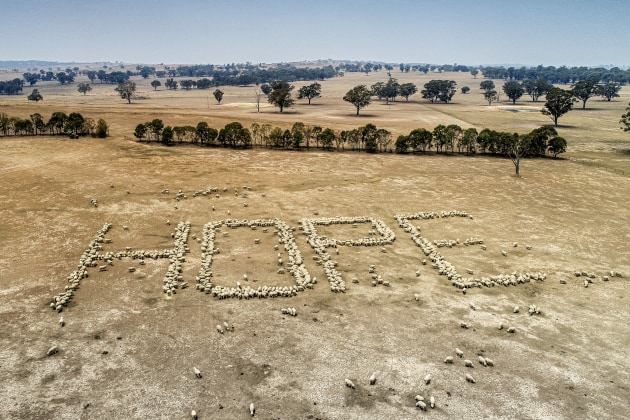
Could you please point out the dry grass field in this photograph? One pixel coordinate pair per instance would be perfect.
(128, 351)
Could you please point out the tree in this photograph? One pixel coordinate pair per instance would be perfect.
(517, 150)
(140, 131)
(585, 89)
(557, 145)
(91, 75)
(187, 84)
(64, 78)
(234, 134)
(280, 95)
(559, 102)
(102, 130)
(625, 119)
(539, 138)
(536, 88)
(465, 89)
(218, 95)
(513, 90)
(474, 73)
(74, 123)
(359, 96)
(402, 144)
(126, 90)
(420, 139)
(327, 138)
(609, 90)
(309, 92)
(491, 96)
(257, 96)
(84, 88)
(170, 84)
(487, 85)
(167, 135)
(266, 89)
(156, 84)
(38, 122)
(442, 90)
(407, 89)
(35, 96)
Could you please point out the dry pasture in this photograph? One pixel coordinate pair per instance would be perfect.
(128, 351)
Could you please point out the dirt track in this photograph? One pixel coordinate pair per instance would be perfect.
(569, 362)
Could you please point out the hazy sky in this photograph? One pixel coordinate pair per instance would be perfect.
(548, 32)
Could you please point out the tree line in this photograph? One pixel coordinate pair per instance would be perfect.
(557, 75)
(442, 139)
(59, 123)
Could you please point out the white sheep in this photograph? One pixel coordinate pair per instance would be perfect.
(193, 414)
(427, 379)
(489, 362)
(432, 400)
(482, 361)
(504, 253)
(449, 360)
(252, 409)
(470, 379)
(220, 329)
(373, 379)
(516, 309)
(511, 330)
(468, 363)
(197, 372)
(61, 321)
(227, 326)
(51, 351)
(459, 353)
(421, 405)
(350, 384)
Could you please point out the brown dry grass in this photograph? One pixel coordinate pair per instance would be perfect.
(569, 362)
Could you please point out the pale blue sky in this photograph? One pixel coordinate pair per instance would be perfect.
(548, 32)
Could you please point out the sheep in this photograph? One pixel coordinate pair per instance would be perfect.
(193, 415)
(219, 329)
(449, 360)
(350, 384)
(416, 296)
(516, 309)
(528, 247)
(500, 326)
(482, 361)
(511, 330)
(468, 363)
(427, 379)
(533, 310)
(489, 362)
(432, 400)
(52, 351)
(459, 353)
(515, 244)
(61, 322)
(464, 325)
(470, 379)
(227, 326)
(197, 372)
(373, 379)
(125, 227)
(421, 405)
(252, 409)
(504, 253)
(473, 307)
(585, 283)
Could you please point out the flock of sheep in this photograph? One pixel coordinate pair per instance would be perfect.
(382, 236)
(447, 269)
(295, 263)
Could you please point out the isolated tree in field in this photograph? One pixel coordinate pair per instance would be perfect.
(465, 89)
(487, 85)
(559, 102)
(126, 90)
(218, 95)
(491, 96)
(625, 119)
(84, 88)
(257, 97)
(156, 84)
(309, 92)
(35, 96)
(359, 96)
(584, 90)
(609, 90)
(536, 88)
(280, 95)
(557, 145)
(513, 90)
(442, 90)
(407, 89)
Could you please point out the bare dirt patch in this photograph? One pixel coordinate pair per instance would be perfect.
(128, 351)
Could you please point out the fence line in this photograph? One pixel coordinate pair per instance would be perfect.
(599, 165)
